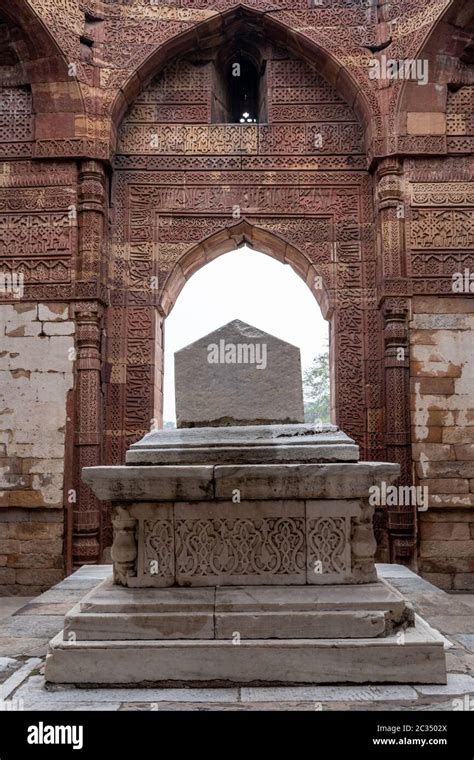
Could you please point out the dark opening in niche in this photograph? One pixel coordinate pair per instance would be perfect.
(243, 82)
(239, 85)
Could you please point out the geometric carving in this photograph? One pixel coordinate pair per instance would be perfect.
(442, 229)
(15, 114)
(328, 543)
(28, 234)
(301, 76)
(442, 194)
(240, 547)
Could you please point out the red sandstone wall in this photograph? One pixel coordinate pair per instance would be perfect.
(383, 212)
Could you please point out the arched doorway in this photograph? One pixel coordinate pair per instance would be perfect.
(187, 189)
(258, 290)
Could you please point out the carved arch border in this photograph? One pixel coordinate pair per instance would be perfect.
(229, 238)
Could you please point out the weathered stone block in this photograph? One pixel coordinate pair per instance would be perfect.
(425, 123)
(461, 434)
(433, 451)
(241, 376)
(7, 575)
(458, 470)
(435, 386)
(442, 580)
(43, 577)
(447, 548)
(32, 530)
(42, 354)
(451, 500)
(33, 561)
(51, 547)
(165, 483)
(447, 530)
(53, 312)
(436, 321)
(446, 565)
(447, 485)
(464, 582)
(464, 452)
(58, 328)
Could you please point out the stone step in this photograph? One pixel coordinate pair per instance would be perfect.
(108, 597)
(275, 612)
(417, 657)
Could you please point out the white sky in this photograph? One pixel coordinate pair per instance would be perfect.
(247, 285)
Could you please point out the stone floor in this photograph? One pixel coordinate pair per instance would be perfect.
(26, 625)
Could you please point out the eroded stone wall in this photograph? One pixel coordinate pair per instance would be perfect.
(36, 375)
(442, 404)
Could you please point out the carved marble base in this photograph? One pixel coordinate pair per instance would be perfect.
(277, 504)
(257, 567)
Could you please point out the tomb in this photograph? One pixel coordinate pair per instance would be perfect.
(243, 553)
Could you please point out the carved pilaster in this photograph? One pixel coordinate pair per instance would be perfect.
(87, 439)
(91, 215)
(401, 518)
(124, 548)
(394, 289)
(391, 217)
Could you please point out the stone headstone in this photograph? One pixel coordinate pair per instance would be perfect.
(238, 375)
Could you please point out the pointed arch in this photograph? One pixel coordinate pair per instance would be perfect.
(317, 55)
(39, 42)
(229, 239)
(451, 36)
(42, 59)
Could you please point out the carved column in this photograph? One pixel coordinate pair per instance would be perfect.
(91, 264)
(394, 290)
(89, 279)
(88, 434)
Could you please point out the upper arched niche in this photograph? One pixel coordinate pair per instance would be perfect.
(32, 60)
(188, 167)
(448, 97)
(233, 237)
(225, 32)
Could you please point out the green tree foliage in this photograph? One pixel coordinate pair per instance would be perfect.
(316, 390)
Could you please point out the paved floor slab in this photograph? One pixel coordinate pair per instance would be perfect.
(10, 604)
(458, 683)
(428, 600)
(328, 693)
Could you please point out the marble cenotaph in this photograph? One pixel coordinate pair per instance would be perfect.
(243, 547)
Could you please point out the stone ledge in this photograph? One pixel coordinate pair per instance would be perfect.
(420, 659)
(165, 483)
